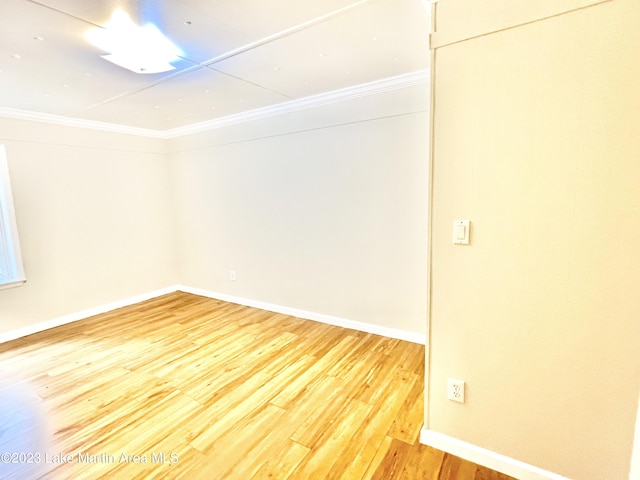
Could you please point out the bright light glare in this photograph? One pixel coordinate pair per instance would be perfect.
(139, 49)
(24, 427)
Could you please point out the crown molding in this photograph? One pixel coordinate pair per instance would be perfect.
(77, 122)
(420, 77)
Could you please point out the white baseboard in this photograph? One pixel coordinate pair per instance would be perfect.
(74, 317)
(318, 317)
(487, 458)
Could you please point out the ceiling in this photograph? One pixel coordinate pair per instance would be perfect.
(239, 55)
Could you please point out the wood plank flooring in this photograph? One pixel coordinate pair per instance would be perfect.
(186, 387)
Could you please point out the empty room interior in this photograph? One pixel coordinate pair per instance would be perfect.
(351, 239)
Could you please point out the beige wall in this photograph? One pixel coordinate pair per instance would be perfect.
(93, 214)
(322, 210)
(536, 142)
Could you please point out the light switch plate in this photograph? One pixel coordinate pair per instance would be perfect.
(461, 232)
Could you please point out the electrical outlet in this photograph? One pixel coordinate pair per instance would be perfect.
(232, 275)
(455, 390)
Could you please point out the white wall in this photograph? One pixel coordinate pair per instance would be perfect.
(536, 141)
(322, 210)
(94, 217)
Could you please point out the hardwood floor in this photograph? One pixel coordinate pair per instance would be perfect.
(185, 387)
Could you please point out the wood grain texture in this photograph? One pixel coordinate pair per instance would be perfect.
(186, 387)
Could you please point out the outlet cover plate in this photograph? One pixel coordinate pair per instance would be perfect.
(455, 390)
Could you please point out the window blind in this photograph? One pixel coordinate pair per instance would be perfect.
(11, 269)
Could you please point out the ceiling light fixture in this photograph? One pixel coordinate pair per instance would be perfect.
(141, 49)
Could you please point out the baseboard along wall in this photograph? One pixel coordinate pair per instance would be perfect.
(307, 315)
(318, 317)
(486, 458)
(81, 315)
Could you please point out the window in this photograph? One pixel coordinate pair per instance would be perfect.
(11, 271)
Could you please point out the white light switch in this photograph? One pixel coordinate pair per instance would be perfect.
(461, 232)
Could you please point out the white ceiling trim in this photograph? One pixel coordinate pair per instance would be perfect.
(77, 122)
(420, 77)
